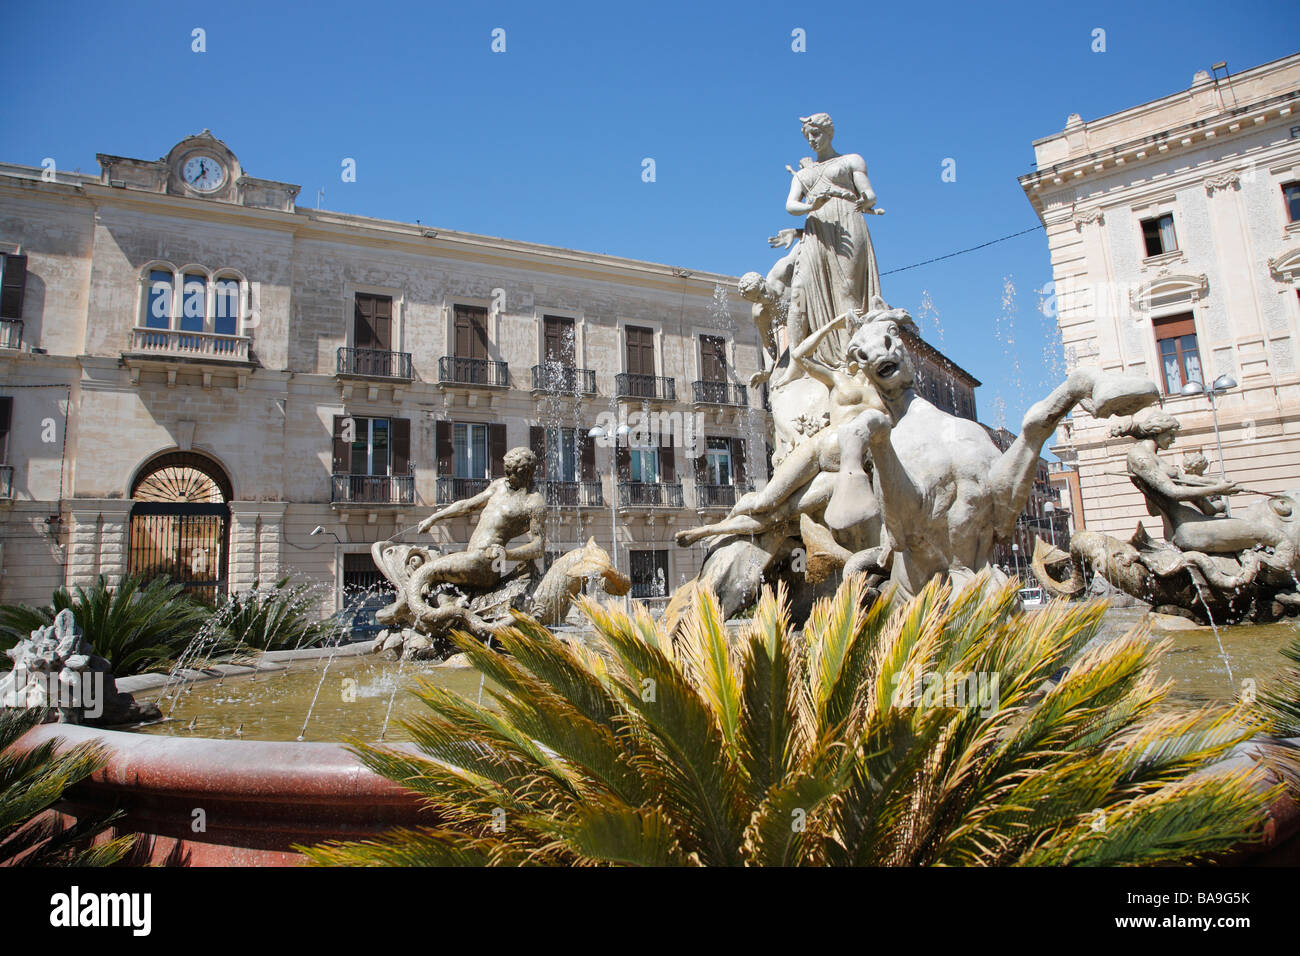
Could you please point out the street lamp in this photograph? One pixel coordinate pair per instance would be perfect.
(1015, 553)
(338, 543)
(1049, 510)
(1221, 384)
(620, 432)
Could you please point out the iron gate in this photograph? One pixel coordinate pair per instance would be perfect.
(189, 543)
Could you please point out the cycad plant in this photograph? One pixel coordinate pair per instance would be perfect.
(277, 617)
(31, 783)
(915, 733)
(1280, 704)
(139, 624)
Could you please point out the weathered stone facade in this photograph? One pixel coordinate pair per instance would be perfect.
(1214, 162)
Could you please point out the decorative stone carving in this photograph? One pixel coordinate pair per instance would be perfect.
(1229, 180)
(472, 590)
(1214, 567)
(1086, 216)
(56, 667)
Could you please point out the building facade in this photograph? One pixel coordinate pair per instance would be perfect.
(1174, 230)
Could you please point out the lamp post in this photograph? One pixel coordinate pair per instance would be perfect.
(338, 543)
(620, 432)
(1015, 553)
(1221, 384)
(1049, 510)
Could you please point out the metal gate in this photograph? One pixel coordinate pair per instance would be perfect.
(187, 542)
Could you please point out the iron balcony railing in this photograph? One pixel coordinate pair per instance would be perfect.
(6, 482)
(718, 496)
(719, 393)
(471, 371)
(198, 345)
(572, 494)
(373, 489)
(627, 385)
(453, 489)
(11, 333)
(564, 379)
(644, 494)
(642, 590)
(374, 363)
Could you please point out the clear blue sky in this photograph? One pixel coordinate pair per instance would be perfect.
(545, 141)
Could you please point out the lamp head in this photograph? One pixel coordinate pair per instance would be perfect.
(317, 530)
(1193, 388)
(1224, 382)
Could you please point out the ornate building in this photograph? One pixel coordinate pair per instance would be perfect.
(1174, 229)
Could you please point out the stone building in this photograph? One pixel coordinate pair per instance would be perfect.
(1174, 229)
(196, 374)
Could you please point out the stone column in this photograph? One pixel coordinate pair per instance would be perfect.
(98, 537)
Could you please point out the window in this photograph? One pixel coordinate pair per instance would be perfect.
(649, 573)
(6, 416)
(713, 358)
(471, 339)
(193, 302)
(362, 579)
(1291, 194)
(560, 342)
(1180, 359)
(372, 322)
(562, 454)
(640, 350)
(372, 446)
(470, 451)
(1158, 235)
(13, 285)
(643, 463)
(718, 461)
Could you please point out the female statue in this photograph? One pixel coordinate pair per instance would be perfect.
(835, 270)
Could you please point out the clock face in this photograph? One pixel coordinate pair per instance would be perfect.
(203, 173)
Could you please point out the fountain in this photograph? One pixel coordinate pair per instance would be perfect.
(869, 478)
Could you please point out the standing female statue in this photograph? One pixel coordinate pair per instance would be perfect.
(835, 271)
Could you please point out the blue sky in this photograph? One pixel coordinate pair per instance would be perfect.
(545, 141)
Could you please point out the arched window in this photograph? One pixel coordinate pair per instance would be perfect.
(194, 305)
(158, 305)
(180, 522)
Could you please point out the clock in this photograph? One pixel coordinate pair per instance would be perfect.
(203, 173)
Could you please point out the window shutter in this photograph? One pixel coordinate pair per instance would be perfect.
(363, 334)
(382, 324)
(667, 464)
(588, 450)
(13, 287)
(497, 449)
(401, 439)
(6, 417)
(701, 466)
(443, 449)
(737, 461)
(623, 463)
(537, 442)
(342, 448)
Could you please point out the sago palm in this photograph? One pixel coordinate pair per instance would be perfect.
(275, 617)
(137, 625)
(30, 783)
(851, 743)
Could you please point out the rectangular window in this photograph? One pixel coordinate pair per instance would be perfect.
(194, 303)
(1158, 235)
(560, 349)
(649, 573)
(718, 461)
(13, 285)
(470, 451)
(713, 358)
(644, 463)
(1291, 193)
(6, 415)
(372, 322)
(640, 350)
(158, 314)
(562, 454)
(1180, 358)
(471, 338)
(370, 446)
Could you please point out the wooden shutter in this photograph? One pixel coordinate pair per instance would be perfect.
(640, 350)
(497, 449)
(383, 323)
(737, 461)
(400, 436)
(588, 453)
(444, 450)
(623, 463)
(13, 287)
(560, 343)
(342, 447)
(6, 417)
(363, 321)
(1174, 326)
(713, 358)
(471, 332)
(537, 442)
(667, 463)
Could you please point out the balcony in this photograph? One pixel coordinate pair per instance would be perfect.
(476, 372)
(572, 494)
(563, 380)
(6, 482)
(454, 489)
(642, 494)
(654, 388)
(719, 393)
(372, 490)
(719, 497)
(172, 349)
(11, 333)
(374, 363)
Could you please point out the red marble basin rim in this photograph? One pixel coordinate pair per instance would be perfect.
(253, 770)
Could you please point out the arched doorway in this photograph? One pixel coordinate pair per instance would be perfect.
(180, 523)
